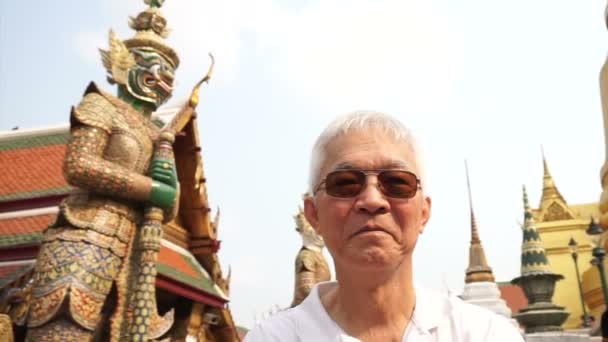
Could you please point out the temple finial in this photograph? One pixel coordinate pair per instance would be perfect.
(548, 182)
(551, 197)
(474, 231)
(478, 269)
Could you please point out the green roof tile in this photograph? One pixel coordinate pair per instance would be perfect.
(200, 282)
(35, 194)
(35, 141)
(16, 240)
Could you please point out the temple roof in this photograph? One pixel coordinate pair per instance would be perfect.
(513, 295)
(33, 180)
(174, 262)
(9, 271)
(31, 164)
(552, 206)
(23, 231)
(583, 211)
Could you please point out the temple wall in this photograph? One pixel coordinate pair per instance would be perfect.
(555, 236)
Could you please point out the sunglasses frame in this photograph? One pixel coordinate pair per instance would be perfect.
(367, 172)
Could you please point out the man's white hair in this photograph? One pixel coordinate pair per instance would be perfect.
(361, 120)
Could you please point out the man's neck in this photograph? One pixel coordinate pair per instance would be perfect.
(373, 307)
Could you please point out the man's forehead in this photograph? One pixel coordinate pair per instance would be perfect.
(367, 149)
(373, 159)
(380, 164)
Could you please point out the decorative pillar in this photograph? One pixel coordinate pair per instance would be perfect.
(537, 281)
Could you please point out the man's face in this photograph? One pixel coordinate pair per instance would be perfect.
(369, 230)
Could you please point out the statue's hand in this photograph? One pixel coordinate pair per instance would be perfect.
(163, 171)
(164, 185)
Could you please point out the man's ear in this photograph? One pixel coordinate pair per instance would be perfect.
(426, 213)
(310, 211)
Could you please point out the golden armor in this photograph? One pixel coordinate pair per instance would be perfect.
(121, 181)
(310, 266)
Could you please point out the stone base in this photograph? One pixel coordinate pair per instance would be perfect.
(542, 317)
(557, 337)
(486, 294)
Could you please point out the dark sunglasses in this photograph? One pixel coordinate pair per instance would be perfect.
(350, 183)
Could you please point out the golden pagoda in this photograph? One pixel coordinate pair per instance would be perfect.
(557, 223)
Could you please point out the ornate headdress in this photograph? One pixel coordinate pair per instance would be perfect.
(310, 238)
(151, 29)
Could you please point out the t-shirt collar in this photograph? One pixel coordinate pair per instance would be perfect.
(431, 307)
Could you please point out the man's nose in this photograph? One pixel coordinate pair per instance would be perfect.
(371, 200)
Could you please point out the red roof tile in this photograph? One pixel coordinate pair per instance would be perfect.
(23, 231)
(10, 269)
(172, 258)
(514, 296)
(25, 225)
(182, 268)
(34, 169)
(8, 273)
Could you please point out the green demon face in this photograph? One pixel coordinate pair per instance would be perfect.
(151, 79)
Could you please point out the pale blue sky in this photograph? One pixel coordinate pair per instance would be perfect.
(489, 81)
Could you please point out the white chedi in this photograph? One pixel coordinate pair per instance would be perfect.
(486, 294)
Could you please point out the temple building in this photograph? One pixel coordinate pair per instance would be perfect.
(190, 281)
(557, 222)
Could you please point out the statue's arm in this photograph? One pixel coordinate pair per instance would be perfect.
(305, 271)
(305, 281)
(85, 167)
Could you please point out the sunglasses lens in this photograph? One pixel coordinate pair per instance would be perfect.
(400, 184)
(344, 183)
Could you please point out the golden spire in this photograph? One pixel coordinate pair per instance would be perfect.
(478, 269)
(549, 189)
(549, 209)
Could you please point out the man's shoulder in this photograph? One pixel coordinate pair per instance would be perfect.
(278, 327)
(479, 323)
(470, 322)
(306, 322)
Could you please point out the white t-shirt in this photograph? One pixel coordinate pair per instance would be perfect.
(437, 318)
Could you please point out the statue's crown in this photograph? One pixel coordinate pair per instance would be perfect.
(151, 29)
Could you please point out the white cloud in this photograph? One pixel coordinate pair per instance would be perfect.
(201, 27)
(342, 53)
(360, 53)
(87, 44)
(197, 28)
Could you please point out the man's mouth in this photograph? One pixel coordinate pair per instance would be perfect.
(369, 229)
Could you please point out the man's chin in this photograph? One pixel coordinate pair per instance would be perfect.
(374, 258)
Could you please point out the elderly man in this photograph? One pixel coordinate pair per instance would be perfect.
(369, 206)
